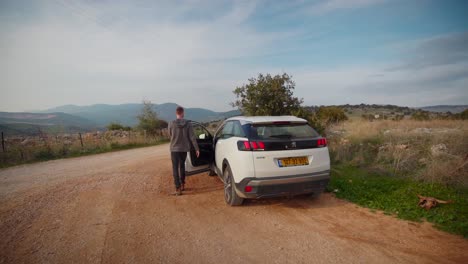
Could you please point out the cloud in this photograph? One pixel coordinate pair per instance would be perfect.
(428, 71)
(85, 51)
(445, 84)
(331, 5)
(196, 52)
(438, 50)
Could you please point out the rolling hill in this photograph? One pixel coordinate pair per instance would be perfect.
(126, 114)
(73, 118)
(33, 123)
(455, 109)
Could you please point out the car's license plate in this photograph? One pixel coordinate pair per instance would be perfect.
(296, 161)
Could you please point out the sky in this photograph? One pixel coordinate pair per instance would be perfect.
(195, 53)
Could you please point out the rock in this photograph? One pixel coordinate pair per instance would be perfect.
(422, 130)
(439, 149)
(401, 146)
(430, 202)
(422, 160)
(28, 142)
(384, 148)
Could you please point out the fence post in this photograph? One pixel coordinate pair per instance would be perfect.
(3, 143)
(81, 140)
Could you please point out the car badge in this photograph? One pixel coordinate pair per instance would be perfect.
(293, 144)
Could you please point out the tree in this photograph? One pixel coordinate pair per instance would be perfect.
(148, 119)
(267, 95)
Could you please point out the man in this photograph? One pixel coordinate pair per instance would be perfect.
(182, 137)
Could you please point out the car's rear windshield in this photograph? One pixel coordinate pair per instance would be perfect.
(282, 131)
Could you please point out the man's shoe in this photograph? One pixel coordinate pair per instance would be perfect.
(182, 187)
(178, 192)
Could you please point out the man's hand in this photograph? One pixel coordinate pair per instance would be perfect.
(198, 153)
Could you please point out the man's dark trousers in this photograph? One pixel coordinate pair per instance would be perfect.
(178, 163)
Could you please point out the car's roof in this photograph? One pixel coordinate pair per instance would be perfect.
(267, 119)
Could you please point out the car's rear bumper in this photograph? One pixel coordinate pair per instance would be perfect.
(284, 185)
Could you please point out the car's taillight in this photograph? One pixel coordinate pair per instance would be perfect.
(321, 142)
(254, 145)
(250, 145)
(246, 145)
(261, 145)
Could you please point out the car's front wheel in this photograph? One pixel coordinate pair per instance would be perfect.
(230, 195)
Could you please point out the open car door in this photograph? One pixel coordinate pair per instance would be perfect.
(194, 165)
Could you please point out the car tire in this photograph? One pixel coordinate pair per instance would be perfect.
(230, 195)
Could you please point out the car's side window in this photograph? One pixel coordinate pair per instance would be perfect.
(200, 132)
(197, 129)
(237, 129)
(219, 132)
(227, 130)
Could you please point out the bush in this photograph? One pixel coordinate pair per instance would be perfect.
(462, 116)
(421, 116)
(323, 117)
(117, 126)
(331, 115)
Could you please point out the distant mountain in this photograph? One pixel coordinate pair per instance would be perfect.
(126, 114)
(445, 108)
(33, 123)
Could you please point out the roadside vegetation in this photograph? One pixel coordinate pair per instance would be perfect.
(385, 164)
(431, 151)
(397, 196)
(150, 131)
(49, 147)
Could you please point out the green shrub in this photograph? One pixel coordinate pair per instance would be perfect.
(420, 116)
(117, 126)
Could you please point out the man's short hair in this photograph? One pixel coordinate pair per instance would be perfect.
(179, 110)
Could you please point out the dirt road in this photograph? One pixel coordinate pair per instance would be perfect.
(117, 208)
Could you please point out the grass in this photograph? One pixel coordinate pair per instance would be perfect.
(433, 151)
(385, 164)
(44, 154)
(398, 196)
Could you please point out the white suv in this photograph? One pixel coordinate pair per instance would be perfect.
(263, 156)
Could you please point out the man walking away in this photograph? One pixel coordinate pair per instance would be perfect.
(182, 137)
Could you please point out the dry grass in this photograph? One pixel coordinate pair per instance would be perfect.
(362, 128)
(30, 149)
(432, 151)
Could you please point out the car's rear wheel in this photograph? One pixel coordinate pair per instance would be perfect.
(230, 195)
